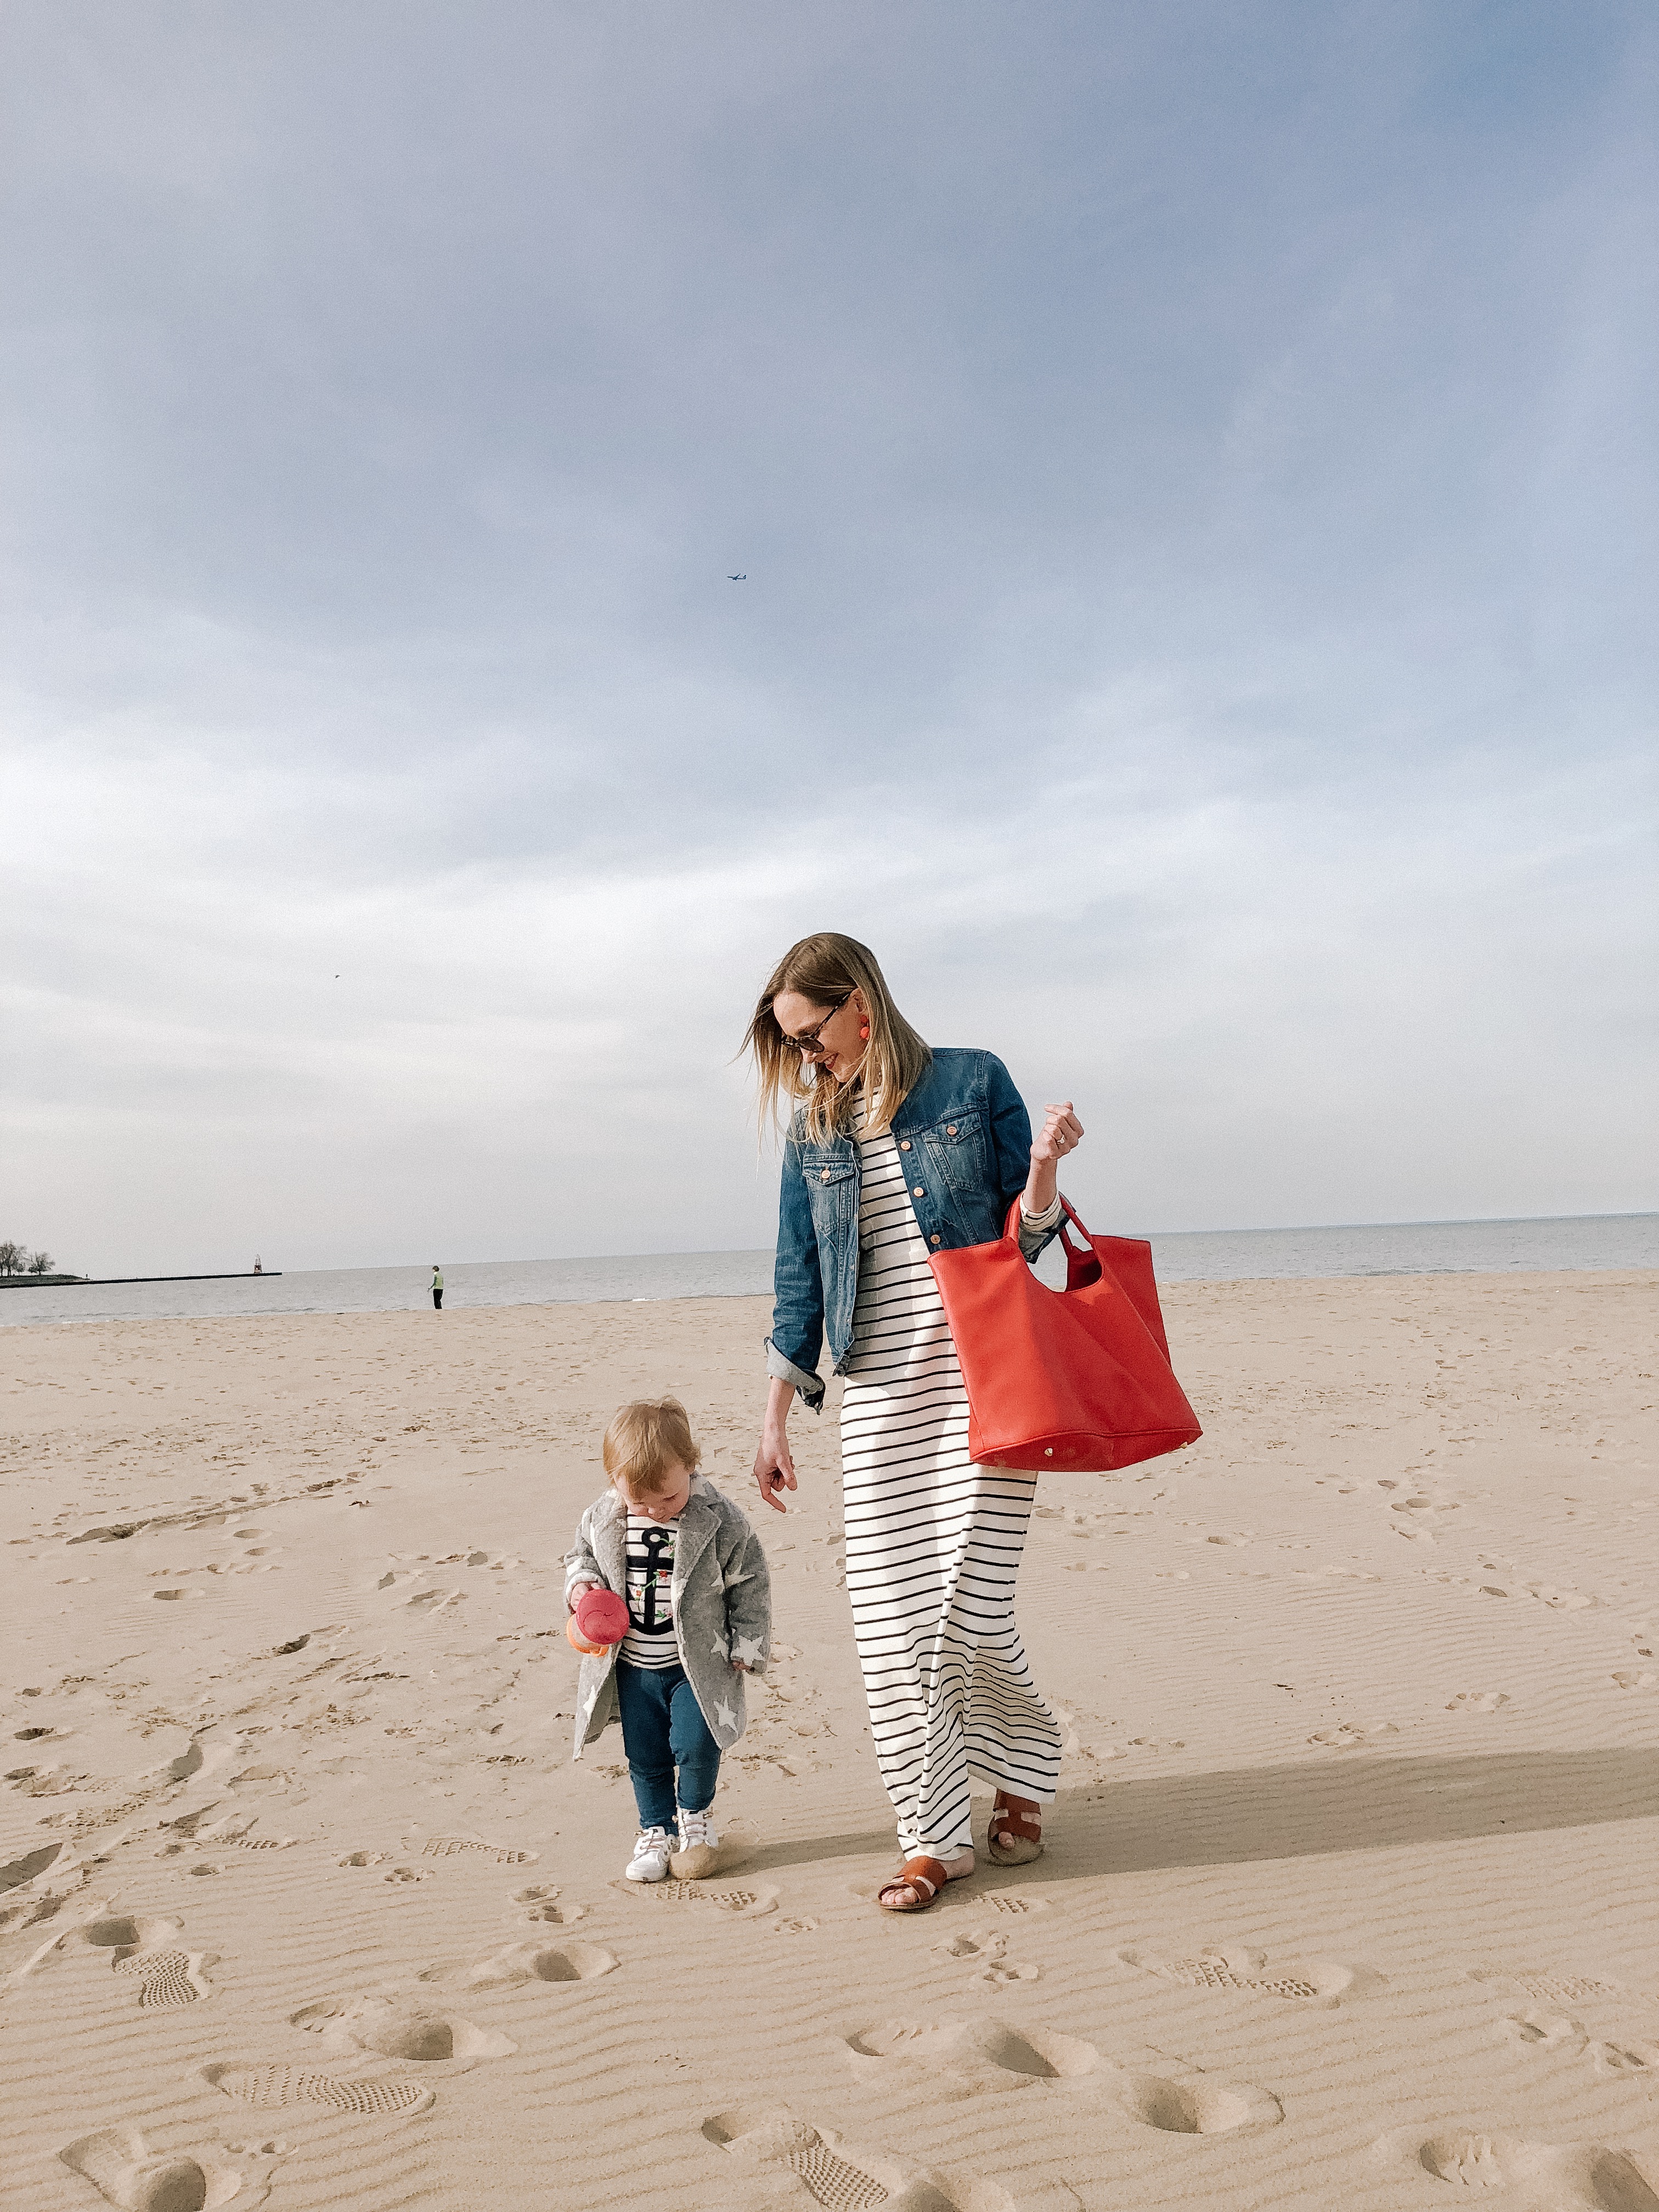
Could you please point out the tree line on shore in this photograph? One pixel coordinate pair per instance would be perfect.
(16, 1260)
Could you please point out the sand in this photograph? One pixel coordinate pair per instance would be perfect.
(1353, 1895)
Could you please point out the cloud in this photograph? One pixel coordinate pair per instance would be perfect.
(1195, 483)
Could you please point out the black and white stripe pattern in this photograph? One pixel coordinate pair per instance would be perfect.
(933, 1545)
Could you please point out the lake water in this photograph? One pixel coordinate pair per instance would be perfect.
(1427, 1248)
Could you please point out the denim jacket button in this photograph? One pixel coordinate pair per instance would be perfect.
(936, 1236)
(824, 1178)
(951, 1129)
(916, 1192)
(904, 1144)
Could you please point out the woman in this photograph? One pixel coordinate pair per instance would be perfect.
(895, 1151)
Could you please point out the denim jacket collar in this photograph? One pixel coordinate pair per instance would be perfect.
(966, 1140)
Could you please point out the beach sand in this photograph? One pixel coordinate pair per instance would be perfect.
(1353, 1895)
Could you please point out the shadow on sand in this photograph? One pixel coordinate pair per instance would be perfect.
(1351, 1802)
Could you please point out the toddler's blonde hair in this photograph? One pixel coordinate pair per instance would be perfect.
(646, 1437)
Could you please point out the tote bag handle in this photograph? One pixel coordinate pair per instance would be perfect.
(1082, 1267)
(1133, 1273)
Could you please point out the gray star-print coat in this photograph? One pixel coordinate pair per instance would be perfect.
(722, 1606)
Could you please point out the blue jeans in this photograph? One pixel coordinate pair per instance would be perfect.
(663, 1727)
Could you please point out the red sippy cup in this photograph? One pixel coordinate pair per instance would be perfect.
(599, 1620)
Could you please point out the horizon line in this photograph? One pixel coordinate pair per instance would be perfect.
(731, 1251)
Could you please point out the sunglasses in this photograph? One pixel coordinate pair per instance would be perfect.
(810, 1041)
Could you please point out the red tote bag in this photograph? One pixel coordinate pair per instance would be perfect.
(1078, 1378)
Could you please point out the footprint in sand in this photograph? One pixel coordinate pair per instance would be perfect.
(265, 2088)
(1542, 2033)
(123, 2171)
(1002, 1973)
(973, 1943)
(1351, 1735)
(742, 1904)
(241, 1833)
(521, 1963)
(1306, 1981)
(365, 1858)
(1478, 1701)
(188, 1824)
(1641, 2059)
(986, 1950)
(541, 1901)
(1546, 1987)
(972, 2057)
(148, 1953)
(1419, 1515)
(844, 2177)
(1569, 2177)
(396, 2027)
(190, 1761)
(978, 2057)
(109, 1816)
(1558, 1600)
(449, 1847)
(1192, 2105)
(168, 1979)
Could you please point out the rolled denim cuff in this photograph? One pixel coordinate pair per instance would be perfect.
(785, 1370)
(1037, 1230)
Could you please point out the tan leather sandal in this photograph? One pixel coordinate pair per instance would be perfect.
(922, 1877)
(1015, 1835)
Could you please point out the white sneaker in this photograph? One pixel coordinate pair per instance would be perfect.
(650, 1859)
(699, 1846)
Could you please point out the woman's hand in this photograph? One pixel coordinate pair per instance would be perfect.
(775, 1470)
(577, 1592)
(1061, 1133)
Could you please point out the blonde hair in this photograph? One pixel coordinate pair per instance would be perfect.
(646, 1438)
(823, 969)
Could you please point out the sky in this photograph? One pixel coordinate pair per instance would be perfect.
(1193, 472)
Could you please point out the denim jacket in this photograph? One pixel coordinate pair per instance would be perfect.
(966, 1139)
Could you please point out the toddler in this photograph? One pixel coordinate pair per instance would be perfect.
(693, 1576)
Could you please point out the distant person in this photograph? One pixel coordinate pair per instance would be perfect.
(258, 1265)
(437, 1288)
(896, 1150)
(695, 1630)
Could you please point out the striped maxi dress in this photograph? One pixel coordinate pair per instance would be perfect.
(933, 1544)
